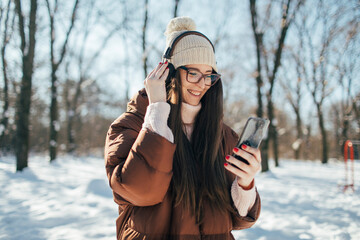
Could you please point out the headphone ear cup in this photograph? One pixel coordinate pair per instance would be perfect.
(172, 71)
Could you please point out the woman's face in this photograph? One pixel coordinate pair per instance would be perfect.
(193, 92)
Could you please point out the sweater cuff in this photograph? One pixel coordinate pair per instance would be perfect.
(156, 118)
(243, 199)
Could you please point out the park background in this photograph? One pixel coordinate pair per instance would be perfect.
(69, 68)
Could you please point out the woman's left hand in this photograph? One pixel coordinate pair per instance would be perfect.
(245, 172)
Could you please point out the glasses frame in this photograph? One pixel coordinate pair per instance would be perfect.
(203, 76)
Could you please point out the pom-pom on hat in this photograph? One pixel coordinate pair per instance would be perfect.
(191, 49)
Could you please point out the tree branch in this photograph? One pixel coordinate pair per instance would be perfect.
(259, 46)
(52, 31)
(21, 26)
(73, 16)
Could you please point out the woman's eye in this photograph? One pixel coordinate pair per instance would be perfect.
(193, 73)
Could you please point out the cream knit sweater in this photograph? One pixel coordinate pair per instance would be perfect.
(156, 120)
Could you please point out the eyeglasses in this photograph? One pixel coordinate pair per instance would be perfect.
(194, 76)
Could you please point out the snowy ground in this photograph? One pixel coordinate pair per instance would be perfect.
(70, 199)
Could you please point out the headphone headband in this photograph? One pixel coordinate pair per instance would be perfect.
(169, 51)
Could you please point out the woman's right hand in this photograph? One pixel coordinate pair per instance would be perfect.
(155, 83)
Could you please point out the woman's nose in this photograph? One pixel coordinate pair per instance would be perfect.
(201, 83)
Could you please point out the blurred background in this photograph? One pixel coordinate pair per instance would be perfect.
(68, 69)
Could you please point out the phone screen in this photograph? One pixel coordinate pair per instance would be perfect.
(254, 131)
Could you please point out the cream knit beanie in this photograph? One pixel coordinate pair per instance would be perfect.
(191, 49)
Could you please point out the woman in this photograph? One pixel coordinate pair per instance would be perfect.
(168, 156)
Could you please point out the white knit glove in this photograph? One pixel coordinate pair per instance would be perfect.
(155, 83)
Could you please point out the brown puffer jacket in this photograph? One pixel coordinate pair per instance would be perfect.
(139, 167)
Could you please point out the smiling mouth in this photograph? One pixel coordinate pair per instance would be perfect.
(194, 93)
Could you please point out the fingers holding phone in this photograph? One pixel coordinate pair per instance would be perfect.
(250, 154)
(155, 83)
(244, 170)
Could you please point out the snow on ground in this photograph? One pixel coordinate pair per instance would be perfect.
(302, 200)
(70, 199)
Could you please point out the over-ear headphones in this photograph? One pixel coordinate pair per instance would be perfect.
(169, 51)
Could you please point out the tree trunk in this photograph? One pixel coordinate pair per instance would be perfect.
(276, 147)
(307, 142)
(356, 109)
(72, 113)
(323, 135)
(346, 126)
(24, 98)
(22, 118)
(272, 132)
(258, 41)
(265, 155)
(54, 122)
(69, 118)
(71, 147)
(5, 115)
(299, 134)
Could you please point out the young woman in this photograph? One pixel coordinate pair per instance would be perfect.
(168, 157)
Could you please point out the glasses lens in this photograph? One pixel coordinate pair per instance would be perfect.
(193, 75)
(212, 78)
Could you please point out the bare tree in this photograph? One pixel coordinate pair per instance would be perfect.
(346, 64)
(54, 121)
(349, 59)
(294, 94)
(321, 42)
(265, 73)
(84, 63)
(27, 48)
(127, 36)
(6, 102)
(317, 84)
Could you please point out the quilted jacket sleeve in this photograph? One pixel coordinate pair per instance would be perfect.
(138, 162)
(247, 221)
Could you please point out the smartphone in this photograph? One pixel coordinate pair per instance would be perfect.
(254, 131)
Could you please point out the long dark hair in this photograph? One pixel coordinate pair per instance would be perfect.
(198, 171)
